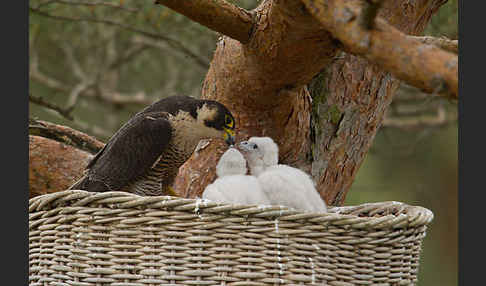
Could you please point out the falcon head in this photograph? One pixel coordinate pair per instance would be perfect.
(217, 117)
(212, 119)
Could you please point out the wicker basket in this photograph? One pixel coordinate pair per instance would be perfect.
(117, 238)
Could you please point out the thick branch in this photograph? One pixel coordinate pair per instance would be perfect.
(217, 15)
(443, 43)
(65, 135)
(427, 67)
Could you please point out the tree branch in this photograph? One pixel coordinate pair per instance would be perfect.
(91, 3)
(427, 67)
(96, 130)
(71, 59)
(37, 75)
(171, 42)
(40, 101)
(111, 97)
(75, 93)
(443, 43)
(65, 135)
(440, 119)
(116, 98)
(54, 166)
(217, 15)
(127, 56)
(85, 83)
(159, 45)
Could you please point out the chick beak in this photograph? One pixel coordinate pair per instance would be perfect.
(229, 136)
(244, 146)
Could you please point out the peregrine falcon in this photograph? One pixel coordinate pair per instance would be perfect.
(144, 155)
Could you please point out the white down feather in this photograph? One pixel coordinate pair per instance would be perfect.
(281, 184)
(232, 184)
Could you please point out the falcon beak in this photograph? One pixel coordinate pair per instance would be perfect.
(229, 136)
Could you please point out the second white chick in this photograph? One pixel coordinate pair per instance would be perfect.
(233, 185)
(282, 184)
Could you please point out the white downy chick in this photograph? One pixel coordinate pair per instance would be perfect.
(261, 153)
(233, 185)
(282, 184)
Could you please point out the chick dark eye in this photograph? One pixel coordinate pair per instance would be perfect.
(255, 147)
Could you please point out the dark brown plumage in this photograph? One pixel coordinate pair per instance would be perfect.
(145, 154)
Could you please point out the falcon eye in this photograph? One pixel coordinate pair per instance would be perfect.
(228, 121)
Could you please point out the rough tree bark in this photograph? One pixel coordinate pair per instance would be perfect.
(264, 82)
(313, 76)
(57, 156)
(53, 165)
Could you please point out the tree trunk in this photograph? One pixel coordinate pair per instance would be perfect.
(264, 83)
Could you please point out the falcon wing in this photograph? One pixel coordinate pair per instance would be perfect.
(130, 152)
(95, 158)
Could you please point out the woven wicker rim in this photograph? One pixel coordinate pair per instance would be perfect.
(381, 215)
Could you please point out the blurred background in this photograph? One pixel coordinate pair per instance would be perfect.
(99, 62)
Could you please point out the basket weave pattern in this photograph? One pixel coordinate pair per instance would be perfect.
(116, 238)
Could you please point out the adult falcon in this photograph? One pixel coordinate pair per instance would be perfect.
(144, 155)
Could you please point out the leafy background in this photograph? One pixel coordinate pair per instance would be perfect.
(131, 50)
